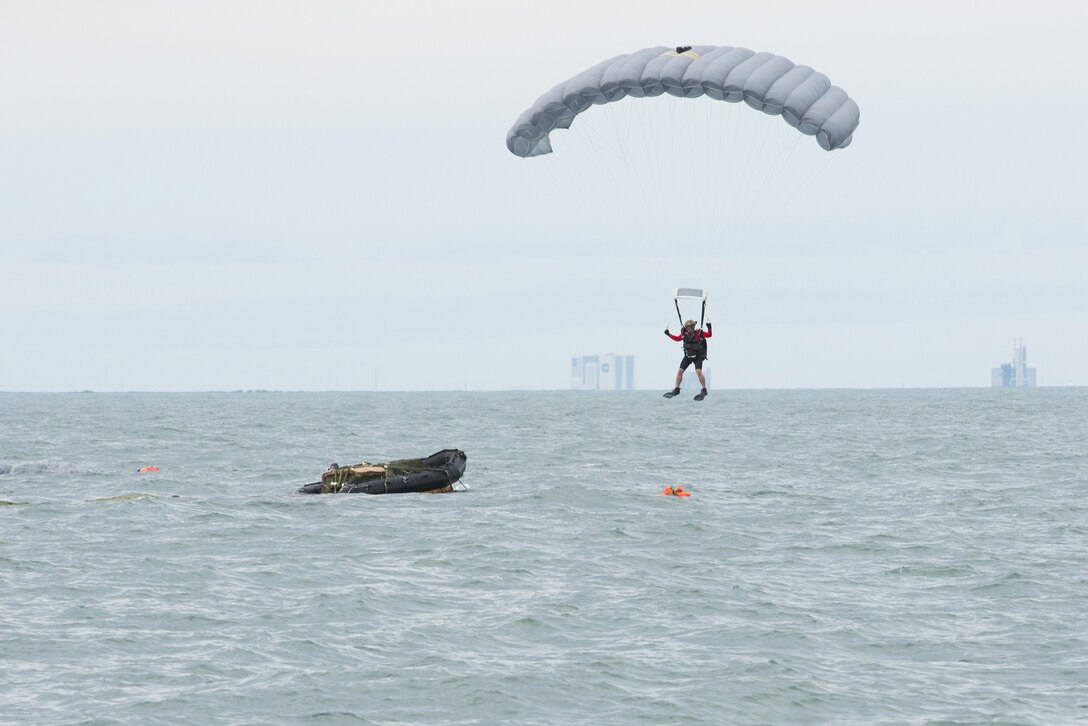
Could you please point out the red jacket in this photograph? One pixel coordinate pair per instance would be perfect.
(700, 334)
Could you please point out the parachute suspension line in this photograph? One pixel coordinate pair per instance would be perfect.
(723, 125)
(682, 169)
(805, 185)
(571, 181)
(624, 135)
(715, 162)
(700, 189)
(735, 117)
(573, 175)
(693, 120)
(739, 179)
(621, 122)
(626, 121)
(611, 144)
(734, 159)
(651, 160)
(570, 186)
(629, 118)
(766, 134)
(764, 173)
(736, 129)
(781, 160)
(657, 128)
(694, 176)
(686, 171)
(565, 189)
(606, 172)
(705, 208)
(601, 148)
(746, 218)
(584, 132)
(709, 108)
(610, 117)
(642, 126)
(687, 174)
(712, 164)
(670, 160)
(621, 189)
(576, 175)
(587, 132)
(621, 141)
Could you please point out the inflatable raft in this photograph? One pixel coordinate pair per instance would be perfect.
(436, 473)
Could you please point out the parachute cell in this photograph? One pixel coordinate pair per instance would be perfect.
(767, 82)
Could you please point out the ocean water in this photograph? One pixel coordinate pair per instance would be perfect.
(850, 557)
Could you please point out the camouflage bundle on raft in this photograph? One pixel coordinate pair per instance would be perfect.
(436, 473)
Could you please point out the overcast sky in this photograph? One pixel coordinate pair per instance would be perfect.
(317, 195)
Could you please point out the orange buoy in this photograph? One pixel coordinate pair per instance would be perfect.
(677, 492)
(667, 492)
(148, 468)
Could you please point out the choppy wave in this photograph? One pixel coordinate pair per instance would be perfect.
(121, 498)
(45, 466)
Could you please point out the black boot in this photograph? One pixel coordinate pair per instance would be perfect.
(701, 396)
(673, 392)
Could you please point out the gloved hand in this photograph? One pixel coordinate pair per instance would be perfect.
(709, 325)
(666, 331)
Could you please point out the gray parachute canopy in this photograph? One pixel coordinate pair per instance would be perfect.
(765, 81)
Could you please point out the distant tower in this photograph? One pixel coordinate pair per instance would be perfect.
(1016, 374)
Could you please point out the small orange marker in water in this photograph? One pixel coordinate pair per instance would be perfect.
(677, 492)
(148, 468)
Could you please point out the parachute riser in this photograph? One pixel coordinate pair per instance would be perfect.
(690, 293)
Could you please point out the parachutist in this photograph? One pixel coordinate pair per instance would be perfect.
(694, 352)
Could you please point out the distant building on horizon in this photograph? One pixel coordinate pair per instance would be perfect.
(602, 373)
(1015, 374)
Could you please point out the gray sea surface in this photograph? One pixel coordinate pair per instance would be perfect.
(848, 557)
